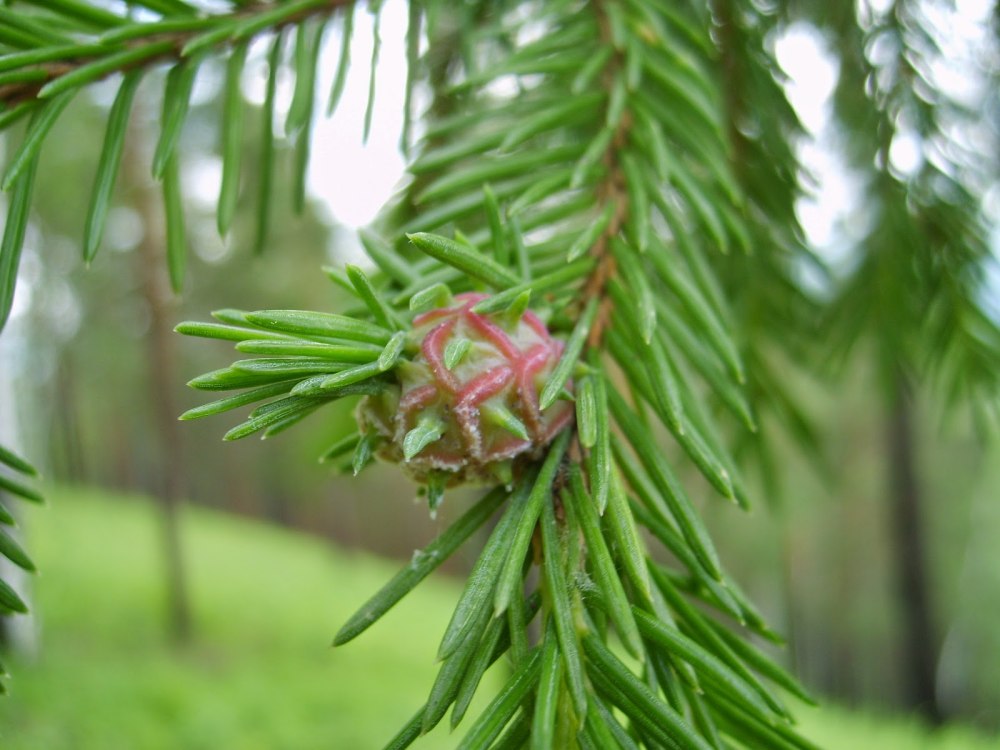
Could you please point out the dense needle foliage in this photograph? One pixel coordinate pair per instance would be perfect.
(621, 171)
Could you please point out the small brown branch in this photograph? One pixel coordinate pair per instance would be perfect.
(614, 193)
(12, 94)
(611, 191)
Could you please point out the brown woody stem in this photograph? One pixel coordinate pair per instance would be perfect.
(611, 190)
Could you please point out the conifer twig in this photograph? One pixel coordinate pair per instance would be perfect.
(165, 42)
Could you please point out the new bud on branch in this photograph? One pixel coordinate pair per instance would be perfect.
(466, 405)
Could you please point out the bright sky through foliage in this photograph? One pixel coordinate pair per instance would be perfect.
(356, 180)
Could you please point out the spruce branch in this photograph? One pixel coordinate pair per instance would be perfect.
(17, 478)
(575, 269)
(41, 75)
(552, 292)
(116, 44)
(917, 291)
(585, 216)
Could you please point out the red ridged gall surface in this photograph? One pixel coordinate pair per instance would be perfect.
(470, 404)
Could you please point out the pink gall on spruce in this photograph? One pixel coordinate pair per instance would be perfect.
(467, 404)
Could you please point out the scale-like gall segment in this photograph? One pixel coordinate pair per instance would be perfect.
(467, 403)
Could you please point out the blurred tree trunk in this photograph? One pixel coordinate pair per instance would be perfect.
(68, 456)
(919, 646)
(162, 378)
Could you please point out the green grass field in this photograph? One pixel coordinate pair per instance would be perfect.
(261, 675)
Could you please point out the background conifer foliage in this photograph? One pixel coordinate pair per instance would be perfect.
(621, 172)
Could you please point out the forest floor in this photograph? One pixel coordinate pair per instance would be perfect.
(260, 674)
